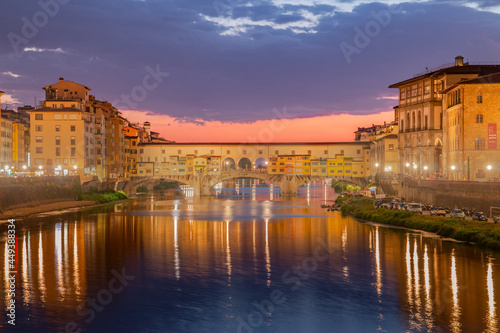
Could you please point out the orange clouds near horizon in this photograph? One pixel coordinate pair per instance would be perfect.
(332, 128)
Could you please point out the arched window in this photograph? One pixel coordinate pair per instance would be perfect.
(479, 118)
(402, 126)
(408, 124)
(419, 121)
(479, 143)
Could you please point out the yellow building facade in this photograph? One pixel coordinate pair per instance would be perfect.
(472, 115)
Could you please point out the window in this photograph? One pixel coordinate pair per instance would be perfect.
(72, 116)
(196, 151)
(39, 139)
(38, 116)
(73, 128)
(403, 94)
(309, 152)
(163, 151)
(479, 118)
(391, 146)
(73, 161)
(211, 152)
(73, 140)
(358, 151)
(58, 128)
(479, 144)
(244, 152)
(39, 128)
(276, 152)
(178, 151)
(427, 89)
(293, 152)
(38, 161)
(73, 151)
(480, 98)
(228, 152)
(141, 151)
(58, 151)
(58, 140)
(39, 150)
(65, 161)
(342, 152)
(326, 152)
(57, 116)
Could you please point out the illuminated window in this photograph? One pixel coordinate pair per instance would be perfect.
(479, 144)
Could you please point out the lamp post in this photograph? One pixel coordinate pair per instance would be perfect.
(425, 169)
(453, 172)
(489, 172)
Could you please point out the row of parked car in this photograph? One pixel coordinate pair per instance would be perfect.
(435, 211)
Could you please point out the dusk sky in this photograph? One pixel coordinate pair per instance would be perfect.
(224, 69)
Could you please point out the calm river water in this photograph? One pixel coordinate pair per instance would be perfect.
(244, 260)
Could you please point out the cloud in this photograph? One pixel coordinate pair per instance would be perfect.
(9, 99)
(11, 74)
(36, 49)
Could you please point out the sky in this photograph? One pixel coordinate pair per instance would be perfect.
(237, 70)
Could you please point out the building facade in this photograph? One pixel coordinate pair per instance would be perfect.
(420, 115)
(471, 118)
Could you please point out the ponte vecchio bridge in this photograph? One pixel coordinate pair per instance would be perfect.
(287, 165)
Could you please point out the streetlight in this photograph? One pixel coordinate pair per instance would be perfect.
(376, 164)
(75, 167)
(489, 174)
(24, 167)
(453, 167)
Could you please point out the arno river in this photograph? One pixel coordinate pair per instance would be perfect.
(246, 260)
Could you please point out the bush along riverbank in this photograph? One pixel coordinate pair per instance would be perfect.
(484, 234)
(103, 197)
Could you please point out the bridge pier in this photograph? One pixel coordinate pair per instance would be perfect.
(289, 185)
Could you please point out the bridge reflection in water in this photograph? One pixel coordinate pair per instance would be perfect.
(202, 263)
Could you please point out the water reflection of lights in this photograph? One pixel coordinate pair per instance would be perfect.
(428, 302)
(228, 255)
(25, 268)
(59, 260)
(491, 317)
(6, 272)
(176, 251)
(76, 273)
(41, 276)
(409, 283)
(345, 269)
(271, 192)
(377, 265)
(455, 324)
(268, 255)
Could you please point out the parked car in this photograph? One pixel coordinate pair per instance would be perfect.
(434, 211)
(457, 214)
(479, 216)
(441, 211)
(415, 208)
(496, 219)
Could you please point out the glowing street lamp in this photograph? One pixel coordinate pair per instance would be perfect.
(453, 167)
(425, 167)
(376, 164)
(24, 167)
(489, 173)
(414, 166)
(488, 167)
(75, 167)
(407, 164)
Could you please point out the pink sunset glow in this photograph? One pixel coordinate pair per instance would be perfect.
(333, 128)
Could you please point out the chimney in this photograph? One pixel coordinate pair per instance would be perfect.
(61, 79)
(459, 61)
(147, 127)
